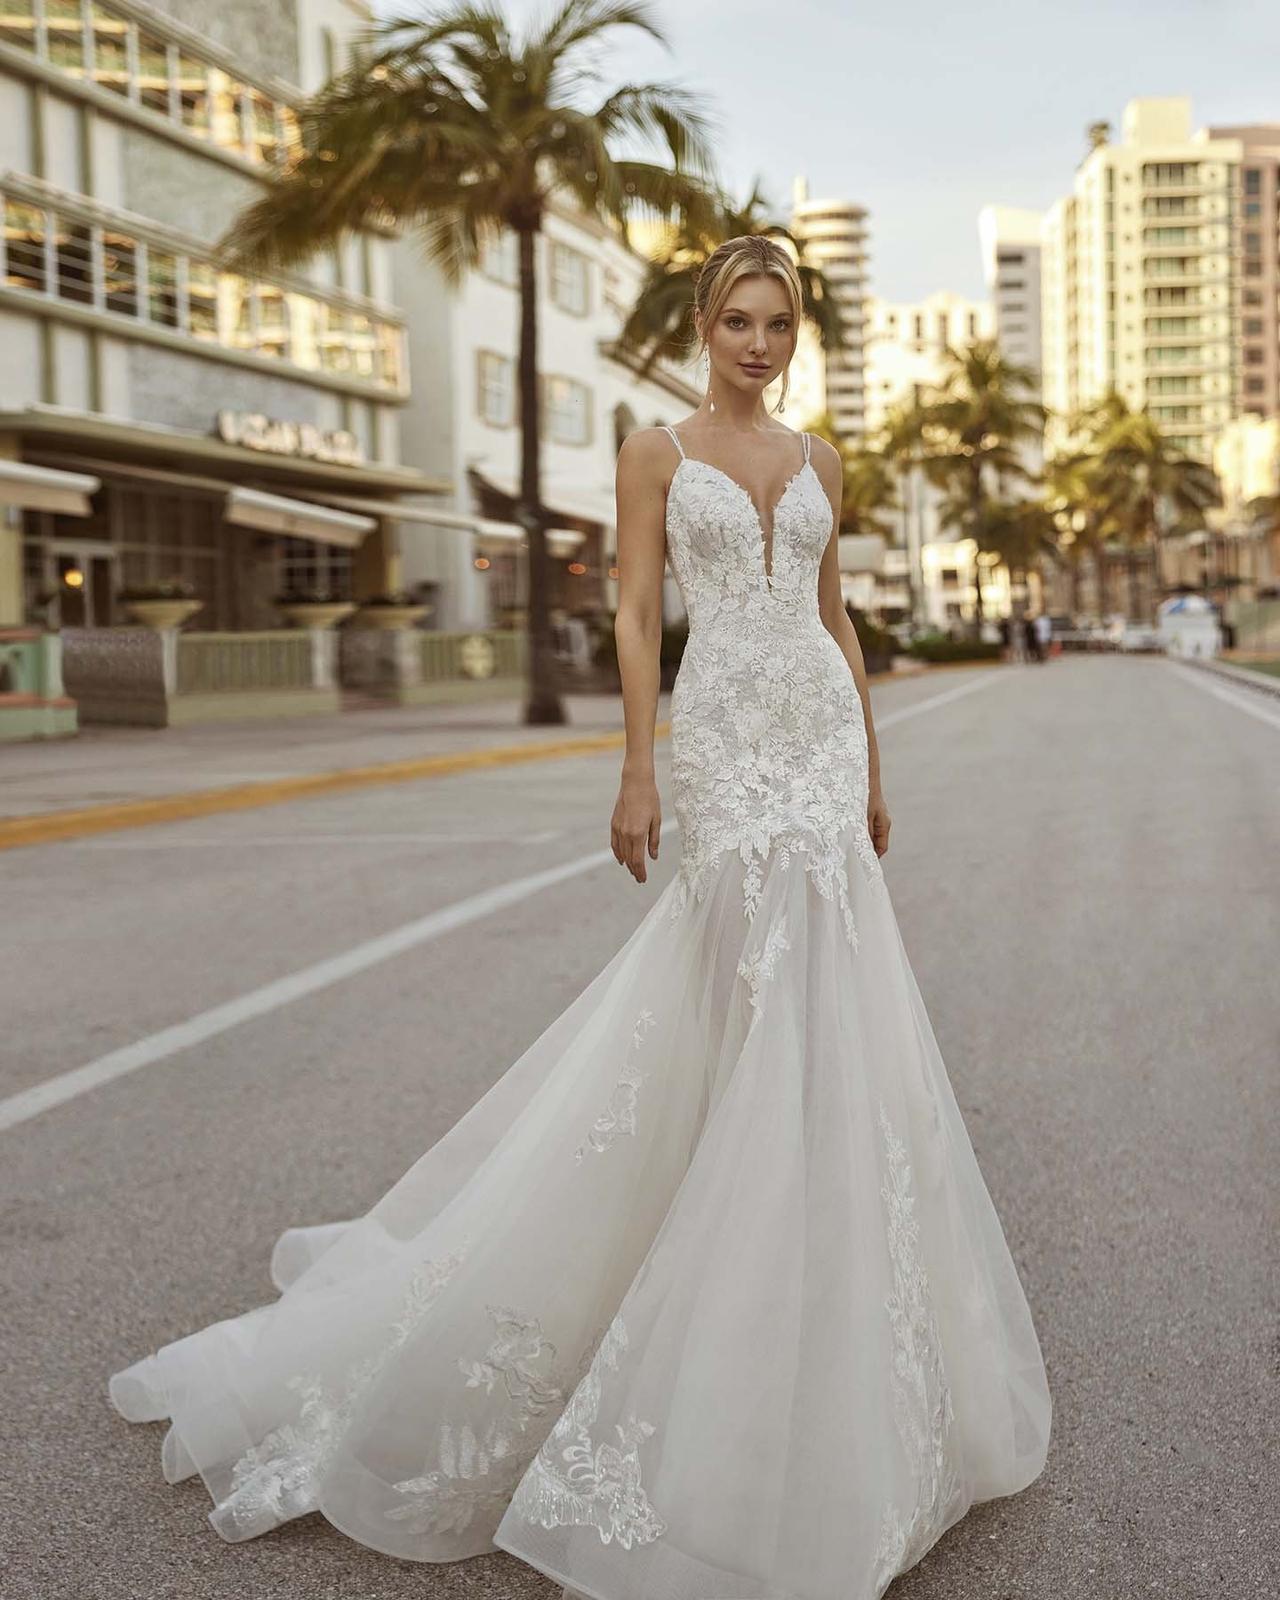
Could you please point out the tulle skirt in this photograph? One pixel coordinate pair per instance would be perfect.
(705, 1299)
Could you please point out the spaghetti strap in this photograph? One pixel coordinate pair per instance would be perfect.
(806, 446)
(674, 436)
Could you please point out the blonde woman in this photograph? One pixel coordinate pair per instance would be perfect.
(706, 1298)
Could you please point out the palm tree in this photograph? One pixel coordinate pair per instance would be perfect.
(449, 126)
(660, 324)
(901, 443)
(976, 430)
(1077, 518)
(1021, 532)
(1147, 490)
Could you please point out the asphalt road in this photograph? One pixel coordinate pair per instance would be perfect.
(1085, 863)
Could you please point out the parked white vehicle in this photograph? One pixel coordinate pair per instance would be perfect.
(1187, 625)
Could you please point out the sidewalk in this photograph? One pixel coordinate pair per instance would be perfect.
(108, 778)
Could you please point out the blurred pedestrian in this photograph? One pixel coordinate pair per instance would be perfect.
(1044, 635)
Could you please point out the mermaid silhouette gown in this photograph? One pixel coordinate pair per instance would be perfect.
(705, 1299)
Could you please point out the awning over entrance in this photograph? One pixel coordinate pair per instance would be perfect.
(275, 513)
(247, 507)
(45, 488)
(564, 499)
(397, 510)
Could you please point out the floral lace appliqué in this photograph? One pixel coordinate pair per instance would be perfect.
(279, 1477)
(921, 1395)
(479, 1467)
(574, 1482)
(758, 967)
(768, 743)
(619, 1115)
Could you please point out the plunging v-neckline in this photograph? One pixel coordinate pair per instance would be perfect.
(766, 538)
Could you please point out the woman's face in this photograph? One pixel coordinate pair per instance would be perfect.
(754, 335)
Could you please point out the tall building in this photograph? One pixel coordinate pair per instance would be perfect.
(1010, 244)
(834, 235)
(1141, 275)
(160, 416)
(1258, 309)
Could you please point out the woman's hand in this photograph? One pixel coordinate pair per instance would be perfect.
(637, 821)
(878, 822)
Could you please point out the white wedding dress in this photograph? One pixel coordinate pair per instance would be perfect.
(706, 1298)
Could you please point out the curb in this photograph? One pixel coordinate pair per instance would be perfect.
(52, 826)
(1260, 682)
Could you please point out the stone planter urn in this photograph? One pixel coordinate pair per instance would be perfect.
(389, 618)
(317, 613)
(162, 614)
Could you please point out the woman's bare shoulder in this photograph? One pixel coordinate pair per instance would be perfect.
(645, 449)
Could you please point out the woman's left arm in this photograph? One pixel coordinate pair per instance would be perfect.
(836, 620)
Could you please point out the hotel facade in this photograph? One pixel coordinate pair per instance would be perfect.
(239, 433)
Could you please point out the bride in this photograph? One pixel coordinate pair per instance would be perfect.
(706, 1297)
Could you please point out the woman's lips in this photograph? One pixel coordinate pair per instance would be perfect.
(755, 366)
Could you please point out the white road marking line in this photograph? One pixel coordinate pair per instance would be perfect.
(236, 841)
(41, 1097)
(890, 718)
(55, 1091)
(1243, 699)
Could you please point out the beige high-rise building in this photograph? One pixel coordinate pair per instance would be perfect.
(1259, 280)
(1141, 276)
(834, 234)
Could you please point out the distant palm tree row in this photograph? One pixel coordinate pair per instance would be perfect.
(978, 436)
(448, 127)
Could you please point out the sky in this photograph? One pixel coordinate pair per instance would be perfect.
(924, 111)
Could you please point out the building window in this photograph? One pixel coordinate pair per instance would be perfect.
(569, 278)
(154, 74)
(566, 408)
(73, 251)
(306, 566)
(1252, 180)
(24, 231)
(140, 65)
(18, 25)
(495, 388)
(500, 259)
(119, 273)
(162, 289)
(100, 265)
(1254, 385)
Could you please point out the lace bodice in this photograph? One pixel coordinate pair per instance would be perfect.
(768, 742)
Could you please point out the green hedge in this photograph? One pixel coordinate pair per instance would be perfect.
(937, 647)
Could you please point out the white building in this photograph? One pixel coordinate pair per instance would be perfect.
(241, 434)
(463, 423)
(834, 234)
(1010, 243)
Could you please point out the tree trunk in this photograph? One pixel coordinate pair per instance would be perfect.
(975, 501)
(543, 704)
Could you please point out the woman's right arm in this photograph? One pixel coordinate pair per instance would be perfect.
(640, 486)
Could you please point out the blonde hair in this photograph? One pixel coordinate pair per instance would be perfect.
(749, 255)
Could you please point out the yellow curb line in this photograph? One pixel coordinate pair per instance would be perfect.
(55, 825)
(52, 826)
